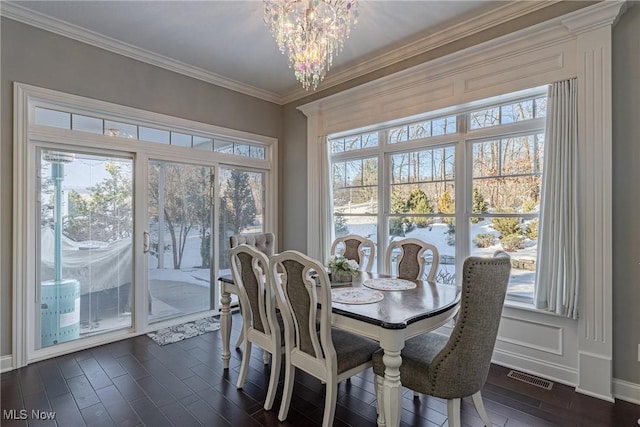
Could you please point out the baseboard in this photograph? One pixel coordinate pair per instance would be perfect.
(541, 368)
(6, 363)
(595, 376)
(624, 390)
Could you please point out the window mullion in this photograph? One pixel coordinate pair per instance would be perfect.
(384, 206)
(417, 165)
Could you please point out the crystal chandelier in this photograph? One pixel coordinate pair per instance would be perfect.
(310, 33)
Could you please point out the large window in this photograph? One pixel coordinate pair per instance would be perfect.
(467, 182)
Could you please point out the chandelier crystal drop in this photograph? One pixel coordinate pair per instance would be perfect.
(310, 33)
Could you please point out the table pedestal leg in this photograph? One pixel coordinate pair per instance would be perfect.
(225, 325)
(392, 387)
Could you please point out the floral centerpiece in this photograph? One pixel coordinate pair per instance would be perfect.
(342, 269)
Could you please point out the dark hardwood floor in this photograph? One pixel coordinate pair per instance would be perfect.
(136, 382)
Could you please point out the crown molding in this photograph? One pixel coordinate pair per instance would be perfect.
(486, 20)
(603, 14)
(469, 27)
(57, 26)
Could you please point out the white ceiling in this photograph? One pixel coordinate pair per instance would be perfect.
(227, 42)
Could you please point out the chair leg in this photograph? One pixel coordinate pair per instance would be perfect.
(240, 339)
(453, 412)
(479, 404)
(276, 362)
(379, 405)
(330, 403)
(244, 367)
(289, 376)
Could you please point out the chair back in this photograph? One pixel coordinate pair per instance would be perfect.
(250, 268)
(302, 285)
(410, 263)
(462, 365)
(353, 247)
(264, 242)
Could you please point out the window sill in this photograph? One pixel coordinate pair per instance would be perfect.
(530, 307)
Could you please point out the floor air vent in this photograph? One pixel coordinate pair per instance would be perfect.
(530, 379)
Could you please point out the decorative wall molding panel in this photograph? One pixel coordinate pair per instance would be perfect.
(532, 335)
(575, 45)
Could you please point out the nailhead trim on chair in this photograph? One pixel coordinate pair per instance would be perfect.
(462, 320)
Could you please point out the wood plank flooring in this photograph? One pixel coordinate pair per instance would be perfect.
(138, 383)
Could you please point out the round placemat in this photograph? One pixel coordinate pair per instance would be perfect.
(389, 284)
(356, 296)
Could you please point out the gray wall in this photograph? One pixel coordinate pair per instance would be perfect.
(293, 182)
(626, 196)
(40, 58)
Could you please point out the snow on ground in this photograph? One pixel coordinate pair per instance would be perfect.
(190, 272)
(199, 276)
(521, 280)
(436, 234)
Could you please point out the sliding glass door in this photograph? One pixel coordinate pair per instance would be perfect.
(86, 243)
(178, 239)
(122, 219)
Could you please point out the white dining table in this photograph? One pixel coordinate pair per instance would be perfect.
(400, 315)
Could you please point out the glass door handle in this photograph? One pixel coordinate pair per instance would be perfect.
(145, 242)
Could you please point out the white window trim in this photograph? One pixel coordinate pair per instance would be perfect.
(574, 45)
(461, 141)
(26, 98)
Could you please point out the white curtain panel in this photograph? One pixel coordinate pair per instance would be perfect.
(557, 266)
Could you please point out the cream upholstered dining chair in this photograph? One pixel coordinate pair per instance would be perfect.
(265, 243)
(329, 354)
(410, 263)
(261, 325)
(353, 247)
(457, 366)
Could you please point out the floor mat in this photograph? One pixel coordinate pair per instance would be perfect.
(186, 330)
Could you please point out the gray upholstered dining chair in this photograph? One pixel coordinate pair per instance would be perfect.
(408, 256)
(354, 247)
(260, 323)
(329, 354)
(457, 366)
(265, 243)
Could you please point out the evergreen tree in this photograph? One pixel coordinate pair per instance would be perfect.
(446, 205)
(507, 226)
(419, 203)
(479, 205)
(399, 226)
